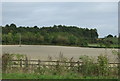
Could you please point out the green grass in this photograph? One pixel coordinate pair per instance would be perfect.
(37, 76)
(103, 46)
(0, 76)
(93, 44)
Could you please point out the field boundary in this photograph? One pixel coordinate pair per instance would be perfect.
(23, 63)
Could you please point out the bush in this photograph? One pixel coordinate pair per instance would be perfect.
(7, 63)
(103, 65)
(88, 67)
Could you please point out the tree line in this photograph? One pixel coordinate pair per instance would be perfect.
(53, 35)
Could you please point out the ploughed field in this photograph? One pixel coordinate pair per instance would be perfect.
(42, 52)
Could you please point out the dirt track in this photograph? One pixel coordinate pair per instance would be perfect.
(43, 51)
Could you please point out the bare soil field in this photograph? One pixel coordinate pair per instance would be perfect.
(43, 51)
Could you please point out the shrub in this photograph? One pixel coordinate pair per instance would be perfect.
(103, 65)
(88, 67)
(6, 61)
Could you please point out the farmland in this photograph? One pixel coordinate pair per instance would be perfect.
(43, 51)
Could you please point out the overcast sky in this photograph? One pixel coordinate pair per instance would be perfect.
(100, 15)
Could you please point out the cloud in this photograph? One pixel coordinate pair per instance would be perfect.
(60, 0)
(102, 16)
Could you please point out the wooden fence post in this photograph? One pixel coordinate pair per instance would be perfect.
(78, 63)
(39, 63)
(26, 62)
(71, 66)
(57, 64)
(20, 63)
(26, 65)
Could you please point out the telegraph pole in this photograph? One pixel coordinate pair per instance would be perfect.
(19, 39)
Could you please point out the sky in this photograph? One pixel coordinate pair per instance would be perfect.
(59, 0)
(100, 15)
